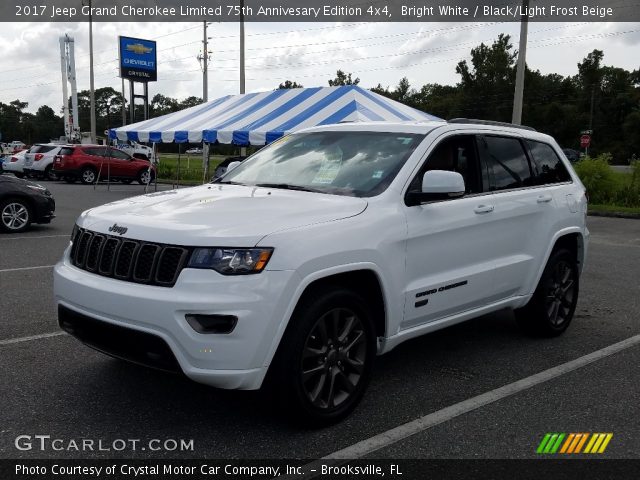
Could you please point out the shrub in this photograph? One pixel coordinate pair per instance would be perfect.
(597, 177)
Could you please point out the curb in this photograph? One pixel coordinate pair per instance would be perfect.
(632, 216)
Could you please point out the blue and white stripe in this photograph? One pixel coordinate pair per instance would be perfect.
(260, 118)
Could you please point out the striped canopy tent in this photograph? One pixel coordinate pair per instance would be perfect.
(260, 118)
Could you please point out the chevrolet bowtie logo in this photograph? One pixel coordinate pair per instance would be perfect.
(138, 48)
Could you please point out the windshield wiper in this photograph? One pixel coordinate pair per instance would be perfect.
(287, 186)
(227, 182)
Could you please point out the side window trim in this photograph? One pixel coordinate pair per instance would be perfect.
(480, 166)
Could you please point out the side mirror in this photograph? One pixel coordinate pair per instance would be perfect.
(438, 185)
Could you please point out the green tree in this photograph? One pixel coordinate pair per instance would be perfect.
(161, 105)
(343, 79)
(289, 84)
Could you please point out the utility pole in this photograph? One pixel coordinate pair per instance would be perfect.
(92, 95)
(516, 117)
(242, 79)
(243, 150)
(204, 64)
(205, 67)
(593, 95)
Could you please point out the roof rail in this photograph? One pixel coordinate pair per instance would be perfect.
(490, 122)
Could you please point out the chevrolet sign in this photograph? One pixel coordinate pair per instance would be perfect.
(138, 59)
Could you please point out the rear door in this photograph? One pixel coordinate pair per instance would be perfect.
(521, 216)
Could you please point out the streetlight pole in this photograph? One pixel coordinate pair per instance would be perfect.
(516, 117)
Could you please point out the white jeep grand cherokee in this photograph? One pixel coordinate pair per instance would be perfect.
(326, 248)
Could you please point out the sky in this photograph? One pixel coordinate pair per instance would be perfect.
(309, 53)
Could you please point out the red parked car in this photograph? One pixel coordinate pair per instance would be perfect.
(87, 163)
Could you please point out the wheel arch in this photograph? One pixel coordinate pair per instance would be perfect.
(571, 239)
(367, 280)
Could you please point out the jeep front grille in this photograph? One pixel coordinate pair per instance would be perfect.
(127, 259)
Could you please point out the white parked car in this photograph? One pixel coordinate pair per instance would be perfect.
(328, 247)
(12, 147)
(38, 162)
(139, 151)
(193, 151)
(15, 164)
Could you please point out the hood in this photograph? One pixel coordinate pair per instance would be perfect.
(217, 215)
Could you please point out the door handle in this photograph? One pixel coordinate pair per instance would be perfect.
(483, 209)
(544, 198)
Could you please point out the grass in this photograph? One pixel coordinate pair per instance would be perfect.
(600, 208)
(190, 168)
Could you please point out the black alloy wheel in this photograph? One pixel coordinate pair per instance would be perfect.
(551, 309)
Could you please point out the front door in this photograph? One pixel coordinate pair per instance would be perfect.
(450, 248)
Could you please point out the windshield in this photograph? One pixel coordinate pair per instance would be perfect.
(352, 163)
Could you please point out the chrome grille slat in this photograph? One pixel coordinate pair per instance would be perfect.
(127, 259)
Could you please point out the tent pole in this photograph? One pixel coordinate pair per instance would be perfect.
(205, 162)
(178, 169)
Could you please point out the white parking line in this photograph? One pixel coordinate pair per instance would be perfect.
(35, 236)
(33, 337)
(385, 439)
(25, 268)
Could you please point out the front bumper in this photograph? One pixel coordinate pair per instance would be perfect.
(238, 360)
(45, 207)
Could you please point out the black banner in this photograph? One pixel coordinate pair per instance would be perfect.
(320, 10)
(578, 469)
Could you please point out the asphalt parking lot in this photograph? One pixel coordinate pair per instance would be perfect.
(53, 385)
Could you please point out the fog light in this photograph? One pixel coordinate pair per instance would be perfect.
(211, 323)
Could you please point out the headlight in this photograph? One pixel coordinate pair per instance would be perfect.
(39, 189)
(231, 261)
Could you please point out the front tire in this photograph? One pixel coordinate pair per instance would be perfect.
(145, 177)
(88, 175)
(15, 215)
(324, 363)
(551, 309)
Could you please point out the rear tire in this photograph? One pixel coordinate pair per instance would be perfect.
(551, 309)
(324, 361)
(88, 175)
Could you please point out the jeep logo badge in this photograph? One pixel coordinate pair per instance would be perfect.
(118, 229)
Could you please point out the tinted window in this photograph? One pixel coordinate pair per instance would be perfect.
(66, 151)
(507, 163)
(95, 151)
(41, 148)
(455, 154)
(550, 167)
(117, 154)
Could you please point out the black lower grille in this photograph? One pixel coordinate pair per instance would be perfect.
(120, 342)
(127, 259)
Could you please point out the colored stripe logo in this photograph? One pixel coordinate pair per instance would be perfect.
(573, 443)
